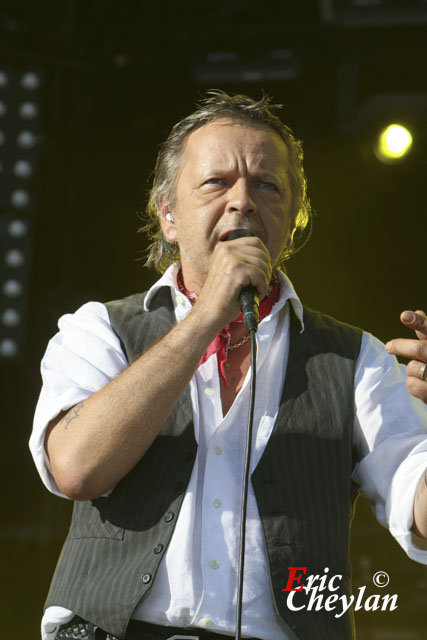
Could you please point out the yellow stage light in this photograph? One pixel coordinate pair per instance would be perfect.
(393, 143)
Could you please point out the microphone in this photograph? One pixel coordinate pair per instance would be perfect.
(248, 297)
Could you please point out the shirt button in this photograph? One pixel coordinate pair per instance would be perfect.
(217, 502)
(209, 392)
(146, 578)
(214, 564)
(206, 622)
(180, 299)
(218, 451)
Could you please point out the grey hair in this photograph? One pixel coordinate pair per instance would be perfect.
(218, 105)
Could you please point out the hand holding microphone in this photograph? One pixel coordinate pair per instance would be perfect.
(239, 274)
(248, 297)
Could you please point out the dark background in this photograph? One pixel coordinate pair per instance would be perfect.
(115, 77)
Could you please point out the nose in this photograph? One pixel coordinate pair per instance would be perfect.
(240, 199)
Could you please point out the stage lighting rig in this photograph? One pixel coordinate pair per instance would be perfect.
(21, 132)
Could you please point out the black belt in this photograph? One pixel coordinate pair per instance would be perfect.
(145, 631)
(79, 629)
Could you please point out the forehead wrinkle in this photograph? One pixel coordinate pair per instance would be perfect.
(213, 153)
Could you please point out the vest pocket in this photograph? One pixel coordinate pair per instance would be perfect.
(97, 530)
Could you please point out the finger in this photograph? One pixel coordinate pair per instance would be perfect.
(417, 321)
(414, 349)
(236, 266)
(250, 245)
(255, 257)
(418, 388)
(416, 369)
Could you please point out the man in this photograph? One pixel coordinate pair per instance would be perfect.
(142, 416)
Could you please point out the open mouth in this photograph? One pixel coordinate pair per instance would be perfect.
(224, 236)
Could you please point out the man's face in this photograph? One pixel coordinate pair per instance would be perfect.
(232, 176)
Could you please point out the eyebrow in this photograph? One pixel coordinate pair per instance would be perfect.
(262, 175)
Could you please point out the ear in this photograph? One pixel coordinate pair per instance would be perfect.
(167, 222)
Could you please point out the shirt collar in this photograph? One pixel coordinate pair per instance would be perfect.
(168, 279)
(287, 292)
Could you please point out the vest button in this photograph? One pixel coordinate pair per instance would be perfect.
(158, 548)
(146, 578)
(178, 486)
(169, 516)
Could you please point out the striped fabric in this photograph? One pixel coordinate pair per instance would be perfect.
(302, 483)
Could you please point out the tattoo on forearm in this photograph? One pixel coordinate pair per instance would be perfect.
(71, 415)
(421, 486)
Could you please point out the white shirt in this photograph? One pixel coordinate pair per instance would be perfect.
(196, 581)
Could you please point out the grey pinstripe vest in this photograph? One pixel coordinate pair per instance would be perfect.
(302, 483)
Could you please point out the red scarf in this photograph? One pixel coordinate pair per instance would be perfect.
(221, 343)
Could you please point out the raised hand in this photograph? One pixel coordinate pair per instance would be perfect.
(414, 349)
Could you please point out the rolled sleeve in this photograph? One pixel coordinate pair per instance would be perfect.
(390, 437)
(80, 359)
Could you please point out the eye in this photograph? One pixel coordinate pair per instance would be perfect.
(268, 186)
(214, 181)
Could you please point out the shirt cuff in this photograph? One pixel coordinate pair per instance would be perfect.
(402, 497)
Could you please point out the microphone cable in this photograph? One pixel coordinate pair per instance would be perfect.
(249, 302)
(246, 486)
